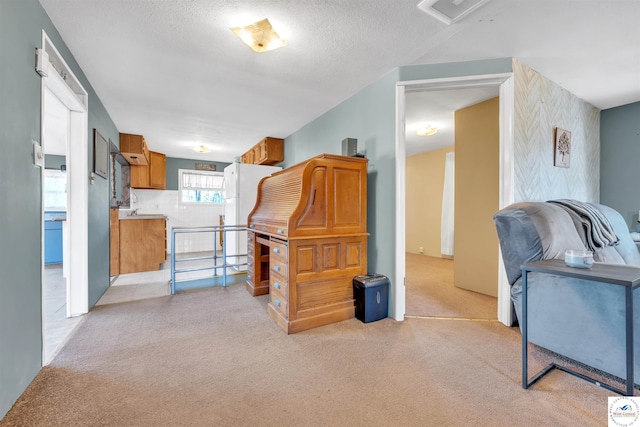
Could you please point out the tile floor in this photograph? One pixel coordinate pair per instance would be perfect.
(57, 326)
(152, 284)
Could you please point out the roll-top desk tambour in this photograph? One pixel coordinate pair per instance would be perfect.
(307, 240)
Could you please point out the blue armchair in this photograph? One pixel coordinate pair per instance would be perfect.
(579, 319)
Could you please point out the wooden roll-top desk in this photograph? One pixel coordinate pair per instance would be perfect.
(307, 240)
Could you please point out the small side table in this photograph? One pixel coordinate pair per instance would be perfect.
(607, 274)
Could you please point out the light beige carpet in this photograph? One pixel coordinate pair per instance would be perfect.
(430, 291)
(214, 358)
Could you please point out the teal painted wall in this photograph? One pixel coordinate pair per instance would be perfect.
(22, 22)
(456, 69)
(370, 117)
(619, 160)
(173, 164)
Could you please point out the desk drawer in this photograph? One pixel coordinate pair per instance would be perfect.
(279, 266)
(279, 250)
(279, 302)
(251, 240)
(279, 285)
(250, 269)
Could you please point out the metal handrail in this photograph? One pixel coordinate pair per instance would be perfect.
(215, 229)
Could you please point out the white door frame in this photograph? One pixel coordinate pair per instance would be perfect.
(506, 190)
(75, 100)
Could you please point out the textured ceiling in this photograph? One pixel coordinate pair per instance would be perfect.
(174, 72)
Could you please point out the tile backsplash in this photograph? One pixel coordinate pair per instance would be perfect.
(166, 202)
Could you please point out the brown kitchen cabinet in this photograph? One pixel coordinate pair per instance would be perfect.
(158, 170)
(134, 149)
(143, 244)
(248, 157)
(151, 176)
(269, 151)
(114, 242)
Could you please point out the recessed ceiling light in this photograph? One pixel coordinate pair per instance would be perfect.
(427, 130)
(259, 36)
(200, 149)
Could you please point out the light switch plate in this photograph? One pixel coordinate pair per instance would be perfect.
(38, 155)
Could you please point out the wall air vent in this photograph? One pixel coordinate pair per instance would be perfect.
(450, 11)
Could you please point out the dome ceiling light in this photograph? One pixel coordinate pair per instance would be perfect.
(200, 149)
(427, 130)
(259, 36)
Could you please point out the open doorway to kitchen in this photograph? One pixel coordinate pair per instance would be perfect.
(55, 133)
(504, 82)
(64, 137)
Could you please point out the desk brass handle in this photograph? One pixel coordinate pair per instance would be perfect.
(252, 226)
(276, 285)
(276, 250)
(264, 228)
(249, 252)
(248, 277)
(276, 302)
(280, 231)
(276, 268)
(249, 264)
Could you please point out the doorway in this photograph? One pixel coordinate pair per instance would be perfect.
(504, 83)
(56, 325)
(464, 119)
(64, 132)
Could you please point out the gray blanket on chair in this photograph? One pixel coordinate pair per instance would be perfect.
(598, 229)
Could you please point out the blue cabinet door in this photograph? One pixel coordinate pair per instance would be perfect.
(52, 242)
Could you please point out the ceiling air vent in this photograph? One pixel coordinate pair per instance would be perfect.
(449, 11)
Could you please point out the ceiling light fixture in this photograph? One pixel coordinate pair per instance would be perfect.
(200, 149)
(427, 130)
(259, 36)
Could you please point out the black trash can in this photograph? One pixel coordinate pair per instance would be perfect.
(371, 293)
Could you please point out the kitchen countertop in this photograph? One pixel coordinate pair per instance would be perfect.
(55, 216)
(142, 216)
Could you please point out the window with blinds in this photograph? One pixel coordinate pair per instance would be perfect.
(200, 187)
(55, 190)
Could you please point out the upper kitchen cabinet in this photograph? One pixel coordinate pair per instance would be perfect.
(134, 149)
(269, 151)
(158, 170)
(153, 175)
(248, 157)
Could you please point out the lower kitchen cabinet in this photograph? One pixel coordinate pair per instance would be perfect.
(143, 244)
(52, 242)
(114, 242)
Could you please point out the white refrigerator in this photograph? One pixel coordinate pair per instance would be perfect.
(240, 193)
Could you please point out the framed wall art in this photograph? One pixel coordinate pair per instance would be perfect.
(100, 155)
(562, 157)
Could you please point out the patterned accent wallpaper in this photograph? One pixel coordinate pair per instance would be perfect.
(540, 106)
